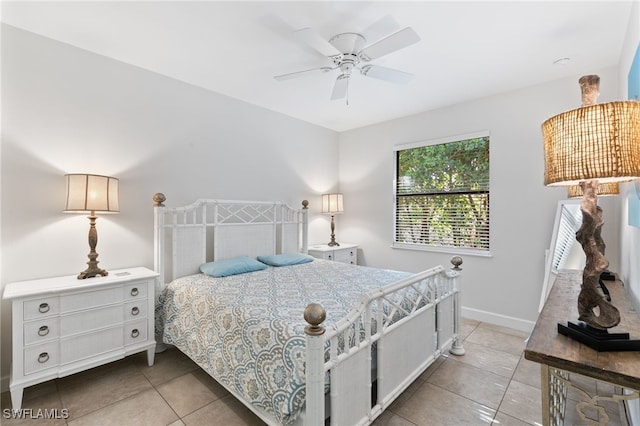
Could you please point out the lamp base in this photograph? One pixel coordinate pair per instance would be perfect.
(333, 241)
(600, 340)
(92, 271)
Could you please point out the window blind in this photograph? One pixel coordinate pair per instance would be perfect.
(570, 221)
(442, 195)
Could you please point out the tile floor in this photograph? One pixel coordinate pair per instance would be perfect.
(492, 384)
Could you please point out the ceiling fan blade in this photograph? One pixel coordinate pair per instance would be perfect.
(303, 73)
(386, 74)
(395, 41)
(381, 28)
(315, 41)
(341, 87)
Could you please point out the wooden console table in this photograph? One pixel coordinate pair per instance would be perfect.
(559, 355)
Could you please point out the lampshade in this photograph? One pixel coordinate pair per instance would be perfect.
(600, 141)
(332, 203)
(91, 193)
(610, 188)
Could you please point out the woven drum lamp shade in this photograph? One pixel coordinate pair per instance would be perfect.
(600, 141)
(610, 188)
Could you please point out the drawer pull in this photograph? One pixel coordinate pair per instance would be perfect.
(135, 310)
(43, 331)
(135, 333)
(44, 308)
(134, 291)
(43, 357)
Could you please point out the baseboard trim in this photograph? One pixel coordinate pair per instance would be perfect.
(497, 319)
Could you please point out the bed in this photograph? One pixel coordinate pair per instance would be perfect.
(298, 340)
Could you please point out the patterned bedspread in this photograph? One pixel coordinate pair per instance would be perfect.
(247, 330)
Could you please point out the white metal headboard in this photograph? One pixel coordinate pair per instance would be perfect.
(206, 230)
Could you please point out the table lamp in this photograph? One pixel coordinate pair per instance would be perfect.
(90, 194)
(592, 145)
(332, 204)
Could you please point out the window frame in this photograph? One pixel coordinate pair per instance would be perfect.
(431, 248)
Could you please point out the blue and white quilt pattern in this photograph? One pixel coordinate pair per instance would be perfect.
(247, 330)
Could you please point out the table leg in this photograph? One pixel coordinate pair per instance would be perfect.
(16, 397)
(554, 395)
(151, 352)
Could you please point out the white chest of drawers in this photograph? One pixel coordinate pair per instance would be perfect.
(345, 252)
(64, 325)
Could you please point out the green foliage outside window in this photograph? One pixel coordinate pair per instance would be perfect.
(442, 195)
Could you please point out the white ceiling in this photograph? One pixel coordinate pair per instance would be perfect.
(468, 50)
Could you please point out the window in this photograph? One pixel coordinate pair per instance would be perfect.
(442, 195)
(569, 223)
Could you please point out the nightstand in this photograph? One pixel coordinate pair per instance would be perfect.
(345, 252)
(64, 325)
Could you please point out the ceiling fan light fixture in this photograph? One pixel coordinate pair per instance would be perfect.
(346, 68)
(348, 50)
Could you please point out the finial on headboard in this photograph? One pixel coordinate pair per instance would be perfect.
(305, 204)
(456, 261)
(158, 199)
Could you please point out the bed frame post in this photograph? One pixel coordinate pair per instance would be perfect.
(315, 315)
(158, 235)
(456, 346)
(158, 253)
(305, 226)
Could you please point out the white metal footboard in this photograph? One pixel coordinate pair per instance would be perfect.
(406, 326)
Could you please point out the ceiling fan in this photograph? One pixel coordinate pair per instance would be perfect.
(349, 51)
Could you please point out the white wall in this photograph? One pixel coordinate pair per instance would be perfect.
(629, 235)
(65, 110)
(504, 289)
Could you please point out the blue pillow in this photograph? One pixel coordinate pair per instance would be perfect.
(226, 267)
(286, 259)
